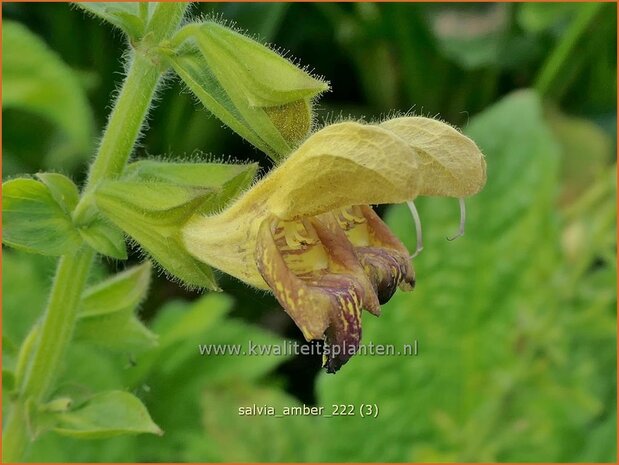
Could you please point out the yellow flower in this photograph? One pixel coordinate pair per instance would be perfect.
(306, 230)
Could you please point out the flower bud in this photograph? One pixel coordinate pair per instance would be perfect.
(256, 92)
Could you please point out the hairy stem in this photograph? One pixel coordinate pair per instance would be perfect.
(58, 323)
(125, 121)
(59, 319)
(137, 93)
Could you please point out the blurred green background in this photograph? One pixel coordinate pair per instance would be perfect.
(516, 321)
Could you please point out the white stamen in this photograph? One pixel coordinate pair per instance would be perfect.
(417, 221)
(460, 232)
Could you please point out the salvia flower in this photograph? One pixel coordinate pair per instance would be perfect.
(306, 231)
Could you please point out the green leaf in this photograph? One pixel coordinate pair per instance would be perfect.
(105, 238)
(577, 137)
(35, 79)
(63, 190)
(177, 323)
(184, 327)
(119, 331)
(180, 327)
(229, 436)
(54, 448)
(130, 17)
(105, 415)
(211, 331)
(23, 305)
(87, 370)
(107, 315)
(121, 291)
(246, 366)
(34, 221)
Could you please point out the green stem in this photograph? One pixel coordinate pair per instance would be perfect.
(59, 319)
(125, 121)
(57, 327)
(58, 323)
(135, 98)
(15, 436)
(554, 63)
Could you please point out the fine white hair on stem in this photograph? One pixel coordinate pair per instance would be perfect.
(460, 232)
(413, 209)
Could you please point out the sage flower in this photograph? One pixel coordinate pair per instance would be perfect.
(307, 232)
